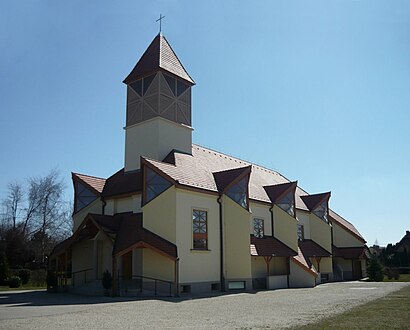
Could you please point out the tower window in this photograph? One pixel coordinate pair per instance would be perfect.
(147, 82)
(181, 87)
(154, 184)
(258, 227)
(239, 192)
(171, 83)
(321, 211)
(301, 232)
(137, 87)
(200, 229)
(287, 203)
(83, 197)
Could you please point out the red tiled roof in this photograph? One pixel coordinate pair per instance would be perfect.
(304, 262)
(131, 232)
(310, 248)
(159, 55)
(350, 252)
(122, 183)
(197, 170)
(125, 228)
(345, 224)
(270, 246)
(312, 201)
(95, 183)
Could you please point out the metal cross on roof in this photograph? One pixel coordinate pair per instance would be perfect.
(160, 22)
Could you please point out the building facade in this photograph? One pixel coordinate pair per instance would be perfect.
(180, 218)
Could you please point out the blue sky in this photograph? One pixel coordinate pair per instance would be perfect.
(318, 90)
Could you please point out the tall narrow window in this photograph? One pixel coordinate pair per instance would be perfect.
(321, 211)
(83, 197)
(239, 192)
(301, 233)
(200, 229)
(287, 203)
(258, 228)
(154, 184)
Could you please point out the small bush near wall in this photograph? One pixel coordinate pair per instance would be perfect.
(14, 282)
(374, 270)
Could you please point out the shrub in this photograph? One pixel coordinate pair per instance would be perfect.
(4, 269)
(38, 277)
(374, 270)
(24, 274)
(14, 282)
(107, 280)
(51, 279)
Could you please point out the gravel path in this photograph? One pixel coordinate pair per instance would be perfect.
(266, 309)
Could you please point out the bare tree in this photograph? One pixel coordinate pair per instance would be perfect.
(13, 201)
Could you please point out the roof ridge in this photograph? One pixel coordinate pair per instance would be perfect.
(244, 161)
(90, 176)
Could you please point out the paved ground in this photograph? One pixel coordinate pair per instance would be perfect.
(267, 309)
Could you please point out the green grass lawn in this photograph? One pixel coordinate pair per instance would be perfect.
(403, 278)
(390, 312)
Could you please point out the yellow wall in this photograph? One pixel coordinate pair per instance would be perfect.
(261, 212)
(325, 264)
(285, 228)
(126, 204)
(160, 215)
(320, 232)
(94, 207)
(342, 238)
(155, 138)
(303, 218)
(82, 259)
(196, 265)
(277, 266)
(104, 256)
(157, 266)
(237, 240)
(299, 277)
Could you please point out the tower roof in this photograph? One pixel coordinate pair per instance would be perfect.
(159, 55)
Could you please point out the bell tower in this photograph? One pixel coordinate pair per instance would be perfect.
(158, 106)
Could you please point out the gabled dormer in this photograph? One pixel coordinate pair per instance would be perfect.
(234, 183)
(318, 204)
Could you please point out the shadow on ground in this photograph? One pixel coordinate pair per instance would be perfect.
(44, 298)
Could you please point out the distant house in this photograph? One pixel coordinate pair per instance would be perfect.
(404, 244)
(183, 218)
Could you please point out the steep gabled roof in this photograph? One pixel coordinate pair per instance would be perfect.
(224, 178)
(278, 190)
(305, 263)
(122, 183)
(94, 183)
(312, 201)
(350, 252)
(158, 56)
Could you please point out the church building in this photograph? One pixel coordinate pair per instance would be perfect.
(180, 218)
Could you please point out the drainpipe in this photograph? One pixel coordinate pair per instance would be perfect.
(222, 278)
(271, 220)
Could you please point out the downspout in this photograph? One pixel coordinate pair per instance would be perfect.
(271, 220)
(222, 278)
